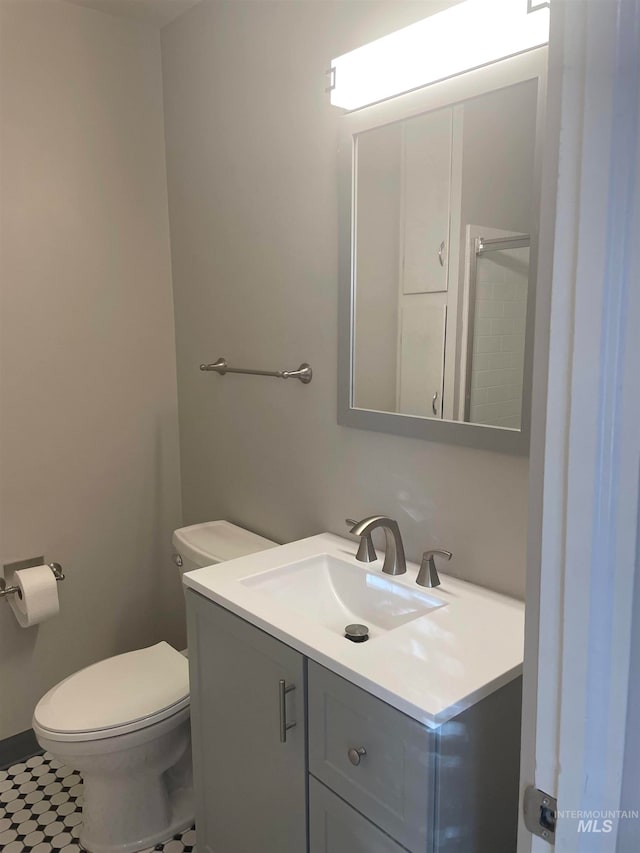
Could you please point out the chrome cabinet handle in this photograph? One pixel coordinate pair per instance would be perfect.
(355, 754)
(284, 725)
(434, 408)
(441, 254)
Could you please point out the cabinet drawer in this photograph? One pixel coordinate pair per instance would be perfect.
(393, 782)
(334, 827)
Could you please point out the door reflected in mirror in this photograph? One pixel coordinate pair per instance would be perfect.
(443, 208)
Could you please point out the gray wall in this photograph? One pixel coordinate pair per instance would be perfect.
(498, 154)
(89, 444)
(252, 171)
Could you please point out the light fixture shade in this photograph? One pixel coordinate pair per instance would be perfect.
(466, 36)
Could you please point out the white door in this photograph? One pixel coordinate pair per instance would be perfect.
(421, 367)
(426, 187)
(578, 712)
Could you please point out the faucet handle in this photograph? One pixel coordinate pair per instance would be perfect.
(437, 552)
(428, 574)
(366, 551)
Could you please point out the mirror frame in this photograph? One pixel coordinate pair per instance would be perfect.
(507, 72)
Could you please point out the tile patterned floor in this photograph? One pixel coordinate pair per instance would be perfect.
(41, 810)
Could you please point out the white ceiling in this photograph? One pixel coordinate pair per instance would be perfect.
(156, 12)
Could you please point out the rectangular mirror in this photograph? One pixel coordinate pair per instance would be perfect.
(438, 235)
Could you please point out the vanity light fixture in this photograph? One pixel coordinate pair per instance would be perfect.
(466, 36)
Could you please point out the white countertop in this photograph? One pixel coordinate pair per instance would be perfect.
(431, 668)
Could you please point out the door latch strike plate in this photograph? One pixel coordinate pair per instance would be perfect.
(540, 813)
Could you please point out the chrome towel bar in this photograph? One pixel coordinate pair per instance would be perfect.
(303, 373)
(58, 574)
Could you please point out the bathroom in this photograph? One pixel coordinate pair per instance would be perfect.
(170, 196)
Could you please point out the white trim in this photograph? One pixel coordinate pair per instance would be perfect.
(587, 505)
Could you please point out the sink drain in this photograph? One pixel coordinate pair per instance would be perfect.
(357, 633)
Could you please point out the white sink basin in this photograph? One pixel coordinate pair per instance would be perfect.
(334, 593)
(432, 653)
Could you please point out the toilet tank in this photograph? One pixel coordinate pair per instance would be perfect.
(214, 542)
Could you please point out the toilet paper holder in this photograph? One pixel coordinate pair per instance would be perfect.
(5, 590)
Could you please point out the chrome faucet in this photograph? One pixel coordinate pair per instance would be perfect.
(428, 574)
(394, 559)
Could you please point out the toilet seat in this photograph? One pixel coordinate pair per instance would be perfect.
(121, 694)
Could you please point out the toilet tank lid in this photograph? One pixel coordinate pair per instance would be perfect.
(120, 690)
(217, 541)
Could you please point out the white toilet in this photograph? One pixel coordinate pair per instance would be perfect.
(123, 723)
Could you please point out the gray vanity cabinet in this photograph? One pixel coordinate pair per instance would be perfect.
(377, 781)
(251, 787)
(453, 789)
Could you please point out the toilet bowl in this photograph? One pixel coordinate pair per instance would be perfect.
(123, 723)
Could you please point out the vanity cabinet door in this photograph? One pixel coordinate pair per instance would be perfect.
(334, 827)
(250, 785)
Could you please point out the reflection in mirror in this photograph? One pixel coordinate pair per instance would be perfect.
(443, 207)
(493, 368)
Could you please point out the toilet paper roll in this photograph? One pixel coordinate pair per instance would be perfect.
(38, 596)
